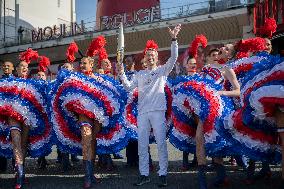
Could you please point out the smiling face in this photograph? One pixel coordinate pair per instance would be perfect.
(190, 66)
(41, 75)
(106, 65)
(68, 66)
(22, 69)
(86, 65)
(8, 68)
(151, 58)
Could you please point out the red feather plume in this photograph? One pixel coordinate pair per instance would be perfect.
(28, 55)
(96, 44)
(151, 44)
(70, 54)
(102, 55)
(199, 39)
(268, 28)
(242, 55)
(253, 45)
(43, 63)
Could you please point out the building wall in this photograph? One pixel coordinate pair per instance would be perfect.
(46, 13)
(226, 27)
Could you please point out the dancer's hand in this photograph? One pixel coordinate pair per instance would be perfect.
(221, 93)
(174, 32)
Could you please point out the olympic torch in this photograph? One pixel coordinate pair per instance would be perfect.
(120, 44)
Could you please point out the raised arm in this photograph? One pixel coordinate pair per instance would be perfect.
(230, 75)
(174, 50)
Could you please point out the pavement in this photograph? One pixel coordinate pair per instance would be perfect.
(123, 177)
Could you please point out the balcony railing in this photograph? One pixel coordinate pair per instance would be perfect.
(193, 9)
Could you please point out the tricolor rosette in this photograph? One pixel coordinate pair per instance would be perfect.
(197, 98)
(252, 128)
(101, 98)
(131, 112)
(25, 100)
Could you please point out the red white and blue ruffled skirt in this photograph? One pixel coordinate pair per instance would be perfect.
(251, 129)
(196, 97)
(25, 100)
(99, 99)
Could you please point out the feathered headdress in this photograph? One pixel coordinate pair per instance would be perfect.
(268, 28)
(96, 44)
(102, 54)
(97, 47)
(43, 63)
(151, 45)
(70, 54)
(244, 47)
(28, 55)
(199, 39)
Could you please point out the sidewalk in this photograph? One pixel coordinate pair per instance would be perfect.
(124, 177)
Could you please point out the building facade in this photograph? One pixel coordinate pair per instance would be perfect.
(19, 18)
(221, 23)
(271, 9)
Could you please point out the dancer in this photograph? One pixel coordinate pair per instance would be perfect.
(41, 161)
(183, 129)
(65, 156)
(206, 99)
(7, 68)
(96, 102)
(30, 127)
(104, 160)
(19, 135)
(89, 129)
(223, 73)
(191, 69)
(152, 106)
(259, 116)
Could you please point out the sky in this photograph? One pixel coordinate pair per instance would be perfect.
(86, 9)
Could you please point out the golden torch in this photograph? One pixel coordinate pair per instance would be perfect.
(120, 44)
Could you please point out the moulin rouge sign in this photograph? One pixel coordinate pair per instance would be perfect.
(140, 16)
(56, 32)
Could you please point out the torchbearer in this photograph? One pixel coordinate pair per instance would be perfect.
(152, 105)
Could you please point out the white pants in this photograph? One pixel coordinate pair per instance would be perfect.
(157, 120)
